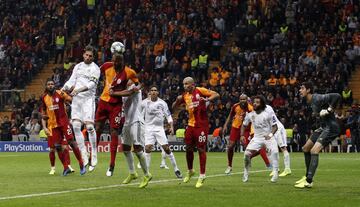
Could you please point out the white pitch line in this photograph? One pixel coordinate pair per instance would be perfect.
(110, 186)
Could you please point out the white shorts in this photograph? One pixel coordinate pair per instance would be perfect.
(83, 109)
(257, 143)
(158, 136)
(280, 137)
(132, 134)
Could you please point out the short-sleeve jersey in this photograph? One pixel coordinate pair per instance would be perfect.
(196, 107)
(54, 107)
(118, 83)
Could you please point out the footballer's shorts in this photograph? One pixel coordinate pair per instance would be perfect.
(83, 109)
(280, 137)
(111, 111)
(196, 136)
(156, 135)
(133, 134)
(325, 135)
(257, 143)
(60, 135)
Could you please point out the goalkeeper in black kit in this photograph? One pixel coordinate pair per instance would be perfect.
(322, 105)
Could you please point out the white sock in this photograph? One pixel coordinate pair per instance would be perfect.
(287, 159)
(163, 157)
(142, 159)
(275, 162)
(247, 164)
(148, 159)
(130, 161)
(173, 161)
(202, 176)
(80, 140)
(92, 139)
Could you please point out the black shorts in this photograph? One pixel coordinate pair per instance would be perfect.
(325, 135)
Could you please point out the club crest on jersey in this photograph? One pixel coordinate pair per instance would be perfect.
(118, 81)
(197, 96)
(56, 100)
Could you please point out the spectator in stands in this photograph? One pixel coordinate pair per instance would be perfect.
(347, 98)
(6, 129)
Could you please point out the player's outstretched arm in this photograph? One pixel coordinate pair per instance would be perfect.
(126, 92)
(333, 99)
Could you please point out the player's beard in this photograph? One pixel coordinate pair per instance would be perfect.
(50, 91)
(243, 105)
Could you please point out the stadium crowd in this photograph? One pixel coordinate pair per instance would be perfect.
(257, 45)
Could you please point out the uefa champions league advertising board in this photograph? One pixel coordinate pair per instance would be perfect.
(43, 147)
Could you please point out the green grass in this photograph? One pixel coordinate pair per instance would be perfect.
(337, 183)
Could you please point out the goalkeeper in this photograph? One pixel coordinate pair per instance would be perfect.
(323, 105)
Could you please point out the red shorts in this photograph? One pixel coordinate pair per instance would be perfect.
(60, 135)
(196, 136)
(235, 135)
(111, 111)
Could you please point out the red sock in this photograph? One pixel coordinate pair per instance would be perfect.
(113, 149)
(77, 153)
(202, 158)
(67, 155)
(264, 156)
(52, 158)
(190, 159)
(254, 154)
(62, 156)
(230, 154)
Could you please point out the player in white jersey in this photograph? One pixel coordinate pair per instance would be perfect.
(281, 139)
(265, 127)
(155, 111)
(82, 86)
(132, 134)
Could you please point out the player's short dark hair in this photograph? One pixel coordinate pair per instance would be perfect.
(262, 101)
(47, 80)
(153, 86)
(309, 86)
(89, 48)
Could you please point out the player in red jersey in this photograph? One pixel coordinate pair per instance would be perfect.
(109, 106)
(195, 99)
(237, 114)
(56, 125)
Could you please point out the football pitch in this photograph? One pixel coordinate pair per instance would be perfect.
(24, 181)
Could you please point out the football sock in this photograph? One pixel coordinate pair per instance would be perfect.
(312, 168)
(140, 155)
(80, 140)
(163, 157)
(190, 159)
(287, 159)
(307, 156)
(230, 155)
(148, 159)
(113, 149)
(202, 158)
(52, 158)
(77, 153)
(92, 139)
(130, 161)
(173, 161)
(262, 152)
(67, 155)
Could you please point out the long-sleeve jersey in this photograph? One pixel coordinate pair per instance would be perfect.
(84, 75)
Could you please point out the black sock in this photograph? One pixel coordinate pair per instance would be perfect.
(312, 168)
(307, 156)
